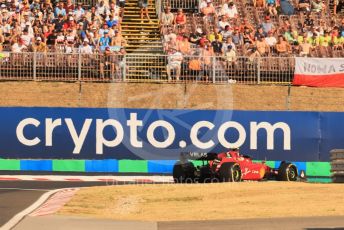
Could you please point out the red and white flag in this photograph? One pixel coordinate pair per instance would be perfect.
(319, 72)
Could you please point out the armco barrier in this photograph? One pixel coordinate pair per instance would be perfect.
(149, 141)
(337, 165)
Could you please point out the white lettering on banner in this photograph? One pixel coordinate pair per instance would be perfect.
(20, 132)
(100, 139)
(50, 125)
(194, 137)
(78, 139)
(133, 123)
(171, 134)
(270, 130)
(318, 66)
(227, 125)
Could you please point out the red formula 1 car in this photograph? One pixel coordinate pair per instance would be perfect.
(229, 166)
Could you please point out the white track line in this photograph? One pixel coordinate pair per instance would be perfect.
(86, 178)
(18, 217)
(26, 189)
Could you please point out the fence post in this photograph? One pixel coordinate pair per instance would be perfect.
(124, 66)
(34, 66)
(79, 66)
(258, 70)
(213, 62)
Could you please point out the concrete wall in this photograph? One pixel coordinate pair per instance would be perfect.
(153, 95)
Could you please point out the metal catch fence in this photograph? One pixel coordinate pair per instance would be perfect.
(146, 67)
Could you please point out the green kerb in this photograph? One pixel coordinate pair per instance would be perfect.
(69, 165)
(133, 166)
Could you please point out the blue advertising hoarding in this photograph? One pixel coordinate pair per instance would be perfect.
(152, 134)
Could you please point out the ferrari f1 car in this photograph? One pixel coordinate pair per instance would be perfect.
(229, 166)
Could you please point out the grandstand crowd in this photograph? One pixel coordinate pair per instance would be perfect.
(261, 28)
(59, 26)
(220, 28)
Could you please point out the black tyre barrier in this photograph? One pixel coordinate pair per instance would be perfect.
(337, 165)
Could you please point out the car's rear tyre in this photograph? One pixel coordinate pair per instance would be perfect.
(183, 172)
(230, 172)
(287, 172)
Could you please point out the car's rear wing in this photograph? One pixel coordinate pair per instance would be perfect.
(198, 156)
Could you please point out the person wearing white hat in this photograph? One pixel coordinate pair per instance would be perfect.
(85, 48)
(39, 46)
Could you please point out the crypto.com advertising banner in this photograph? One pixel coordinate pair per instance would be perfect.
(85, 133)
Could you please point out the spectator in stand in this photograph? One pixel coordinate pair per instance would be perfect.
(229, 10)
(143, 4)
(304, 48)
(246, 25)
(271, 41)
(107, 59)
(85, 48)
(25, 38)
(170, 36)
(314, 40)
(267, 25)
(18, 45)
(180, 19)
(59, 22)
(222, 23)
(317, 6)
(196, 37)
(113, 20)
(59, 10)
(184, 46)
(283, 48)
(69, 6)
(229, 42)
(204, 40)
(259, 3)
(338, 6)
(105, 40)
(209, 9)
(260, 33)
(217, 46)
(79, 12)
(166, 20)
(271, 9)
(262, 47)
(213, 34)
(286, 7)
(70, 24)
(102, 9)
(174, 59)
(227, 32)
(304, 5)
(39, 46)
(206, 53)
(118, 40)
(248, 41)
(237, 37)
(121, 4)
(70, 36)
(230, 57)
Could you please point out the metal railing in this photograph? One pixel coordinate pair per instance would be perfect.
(145, 67)
(188, 5)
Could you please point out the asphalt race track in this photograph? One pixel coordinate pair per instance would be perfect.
(16, 196)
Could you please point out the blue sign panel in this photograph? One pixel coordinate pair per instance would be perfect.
(151, 134)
